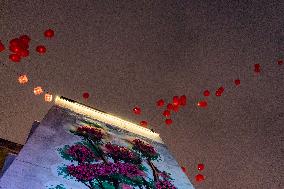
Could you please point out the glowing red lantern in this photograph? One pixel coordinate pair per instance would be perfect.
(169, 121)
(25, 39)
(137, 110)
(49, 33)
(219, 91)
(41, 49)
(170, 106)
(200, 166)
(182, 100)
(279, 62)
(2, 47)
(206, 93)
(48, 97)
(86, 95)
(202, 104)
(38, 90)
(24, 53)
(144, 123)
(175, 100)
(175, 108)
(257, 68)
(15, 57)
(199, 178)
(15, 42)
(167, 113)
(23, 79)
(237, 82)
(160, 103)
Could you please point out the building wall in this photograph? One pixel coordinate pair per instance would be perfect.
(41, 162)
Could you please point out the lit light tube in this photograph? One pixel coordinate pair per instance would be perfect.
(107, 118)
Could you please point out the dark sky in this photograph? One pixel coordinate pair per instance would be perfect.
(128, 53)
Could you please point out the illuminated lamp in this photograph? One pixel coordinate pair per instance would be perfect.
(23, 79)
(48, 97)
(38, 90)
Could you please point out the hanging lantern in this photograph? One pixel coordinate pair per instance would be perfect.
(199, 178)
(48, 97)
(200, 166)
(237, 82)
(137, 110)
(202, 104)
(23, 79)
(167, 113)
(182, 100)
(41, 49)
(49, 33)
(2, 47)
(144, 123)
(175, 100)
(206, 93)
(169, 121)
(38, 90)
(160, 102)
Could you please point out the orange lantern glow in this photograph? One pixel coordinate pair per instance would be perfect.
(23, 79)
(48, 97)
(38, 90)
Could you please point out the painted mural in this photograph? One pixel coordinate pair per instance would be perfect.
(106, 161)
(72, 151)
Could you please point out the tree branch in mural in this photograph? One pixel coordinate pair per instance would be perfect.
(100, 164)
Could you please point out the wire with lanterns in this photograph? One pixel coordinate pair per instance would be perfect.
(19, 49)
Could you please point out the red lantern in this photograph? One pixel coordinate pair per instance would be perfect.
(175, 100)
(15, 57)
(2, 47)
(237, 82)
(175, 108)
(86, 95)
(206, 93)
(167, 113)
(257, 68)
(169, 121)
(144, 123)
(199, 178)
(182, 100)
(23, 79)
(279, 62)
(15, 42)
(49, 33)
(24, 53)
(137, 110)
(160, 103)
(183, 169)
(41, 49)
(38, 90)
(170, 106)
(48, 97)
(202, 104)
(25, 39)
(200, 166)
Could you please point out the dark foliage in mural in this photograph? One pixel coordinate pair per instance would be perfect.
(97, 163)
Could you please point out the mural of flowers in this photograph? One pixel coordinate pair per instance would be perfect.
(98, 163)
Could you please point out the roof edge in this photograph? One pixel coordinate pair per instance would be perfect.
(106, 118)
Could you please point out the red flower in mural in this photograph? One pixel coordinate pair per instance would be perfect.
(81, 153)
(120, 153)
(93, 132)
(82, 172)
(147, 150)
(165, 185)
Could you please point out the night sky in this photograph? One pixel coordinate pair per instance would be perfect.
(133, 53)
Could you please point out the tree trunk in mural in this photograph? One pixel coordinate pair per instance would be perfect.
(98, 150)
(154, 169)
